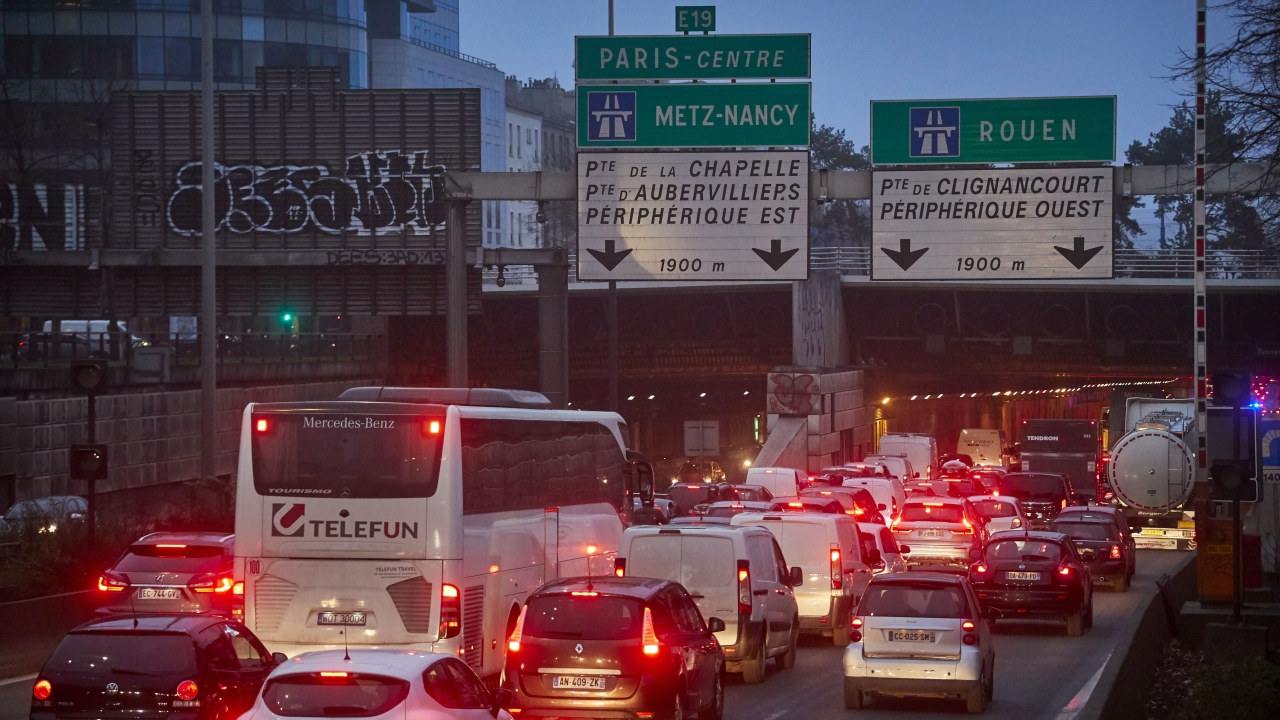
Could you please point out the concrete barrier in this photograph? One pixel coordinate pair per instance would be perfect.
(1121, 693)
(33, 628)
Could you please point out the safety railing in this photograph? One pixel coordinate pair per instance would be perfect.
(19, 349)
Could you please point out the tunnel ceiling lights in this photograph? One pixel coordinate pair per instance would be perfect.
(887, 399)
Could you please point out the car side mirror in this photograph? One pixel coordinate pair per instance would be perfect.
(279, 657)
(992, 613)
(501, 701)
(903, 549)
(715, 625)
(1087, 555)
(797, 576)
(975, 554)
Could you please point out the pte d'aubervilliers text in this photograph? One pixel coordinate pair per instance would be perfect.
(947, 208)
(732, 191)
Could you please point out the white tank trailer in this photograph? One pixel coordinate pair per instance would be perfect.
(1152, 471)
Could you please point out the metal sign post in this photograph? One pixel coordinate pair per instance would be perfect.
(209, 267)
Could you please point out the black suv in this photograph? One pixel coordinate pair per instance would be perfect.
(623, 647)
(183, 667)
(1035, 574)
(1043, 495)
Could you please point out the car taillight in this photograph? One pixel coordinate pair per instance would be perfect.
(968, 527)
(980, 569)
(837, 571)
(214, 585)
(1063, 505)
(262, 425)
(620, 567)
(855, 630)
(42, 690)
(237, 589)
(744, 588)
(1115, 552)
(1017, 522)
(110, 584)
(647, 637)
(967, 625)
(513, 643)
(969, 638)
(1064, 571)
(188, 690)
(450, 612)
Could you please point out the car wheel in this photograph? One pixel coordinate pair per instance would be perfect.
(787, 660)
(677, 713)
(852, 695)
(975, 701)
(753, 669)
(716, 711)
(1075, 623)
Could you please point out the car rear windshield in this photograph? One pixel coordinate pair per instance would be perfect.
(570, 617)
(724, 511)
(914, 600)
(353, 695)
(160, 655)
(996, 508)
(1086, 530)
(1029, 550)
(926, 512)
(184, 559)
(1036, 487)
(806, 544)
(358, 456)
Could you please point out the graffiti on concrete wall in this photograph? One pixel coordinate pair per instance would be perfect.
(41, 217)
(378, 191)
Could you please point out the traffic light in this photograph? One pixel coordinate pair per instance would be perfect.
(88, 462)
(1230, 389)
(89, 376)
(1234, 452)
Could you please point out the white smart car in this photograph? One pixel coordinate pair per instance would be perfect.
(1004, 512)
(919, 634)
(400, 684)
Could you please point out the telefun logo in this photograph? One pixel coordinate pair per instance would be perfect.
(287, 519)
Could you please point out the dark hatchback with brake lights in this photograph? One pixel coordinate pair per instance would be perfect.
(178, 667)
(1035, 574)
(168, 572)
(1112, 560)
(626, 647)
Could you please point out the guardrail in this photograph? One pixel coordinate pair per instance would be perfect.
(44, 349)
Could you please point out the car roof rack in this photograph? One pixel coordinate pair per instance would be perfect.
(480, 397)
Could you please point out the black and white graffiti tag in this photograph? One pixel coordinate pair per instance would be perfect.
(379, 191)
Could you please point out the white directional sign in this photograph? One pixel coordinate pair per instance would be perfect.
(1014, 224)
(693, 216)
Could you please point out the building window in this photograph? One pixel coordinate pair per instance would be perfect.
(517, 142)
(510, 142)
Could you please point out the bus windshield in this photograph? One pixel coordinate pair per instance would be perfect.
(346, 455)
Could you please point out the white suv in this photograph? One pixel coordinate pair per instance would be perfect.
(919, 634)
(734, 573)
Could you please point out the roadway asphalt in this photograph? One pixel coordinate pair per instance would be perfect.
(1038, 669)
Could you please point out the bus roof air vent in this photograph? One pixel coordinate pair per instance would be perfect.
(485, 397)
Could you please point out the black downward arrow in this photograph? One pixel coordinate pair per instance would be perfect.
(608, 258)
(904, 257)
(1078, 256)
(775, 257)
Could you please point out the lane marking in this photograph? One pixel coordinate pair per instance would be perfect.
(20, 678)
(1073, 708)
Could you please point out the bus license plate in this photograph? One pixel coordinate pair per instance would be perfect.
(1014, 575)
(159, 594)
(331, 618)
(911, 636)
(577, 682)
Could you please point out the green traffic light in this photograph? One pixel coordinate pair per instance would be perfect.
(287, 317)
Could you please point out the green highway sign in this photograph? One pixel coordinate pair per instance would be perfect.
(1010, 130)
(695, 18)
(694, 115)
(691, 57)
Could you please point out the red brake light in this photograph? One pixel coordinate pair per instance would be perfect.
(219, 585)
(856, 622)
(837, 569)
(855, 630)
(262, 425)
(325, 673)
(969, 638)
(795, 504)
(1064, 571)
(106, 584)
(620, 567)
(967, 625)
(744, 588)
(513, 644)
(980, 569)
(430, 427)
(42, 690)
(450, 612)
(1115, 552)
(580, 593)
(188, 690)
(237, 589)
(179, 545)
(647, 637)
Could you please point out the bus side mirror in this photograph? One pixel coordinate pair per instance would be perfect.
(641, 478)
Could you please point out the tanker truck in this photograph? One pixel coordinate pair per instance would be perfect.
(1152, 471)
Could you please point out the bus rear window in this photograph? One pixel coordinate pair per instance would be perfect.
(356, 456)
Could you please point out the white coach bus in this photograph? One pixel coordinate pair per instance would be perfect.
(419, 518)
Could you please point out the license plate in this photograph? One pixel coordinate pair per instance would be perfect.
(330, 618)
(1015, 575)
(914, 636)
(929, 533)
(159, 594)
(577, 682)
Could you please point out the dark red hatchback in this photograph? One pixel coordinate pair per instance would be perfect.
(629, 647)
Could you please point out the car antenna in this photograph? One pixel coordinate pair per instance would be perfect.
(590, 551)
(346, 653)
(133, 610)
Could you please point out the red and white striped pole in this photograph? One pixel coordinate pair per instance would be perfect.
(1201, 365)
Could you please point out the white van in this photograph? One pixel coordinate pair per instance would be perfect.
(898, 465)
(826, 547)
(888, 492)
(735, 573)
(984, 446)
(781, 481)
(919, 448)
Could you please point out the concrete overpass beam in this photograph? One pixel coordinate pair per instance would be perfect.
(553, 331)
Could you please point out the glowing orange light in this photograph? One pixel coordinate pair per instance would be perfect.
(262, 425)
